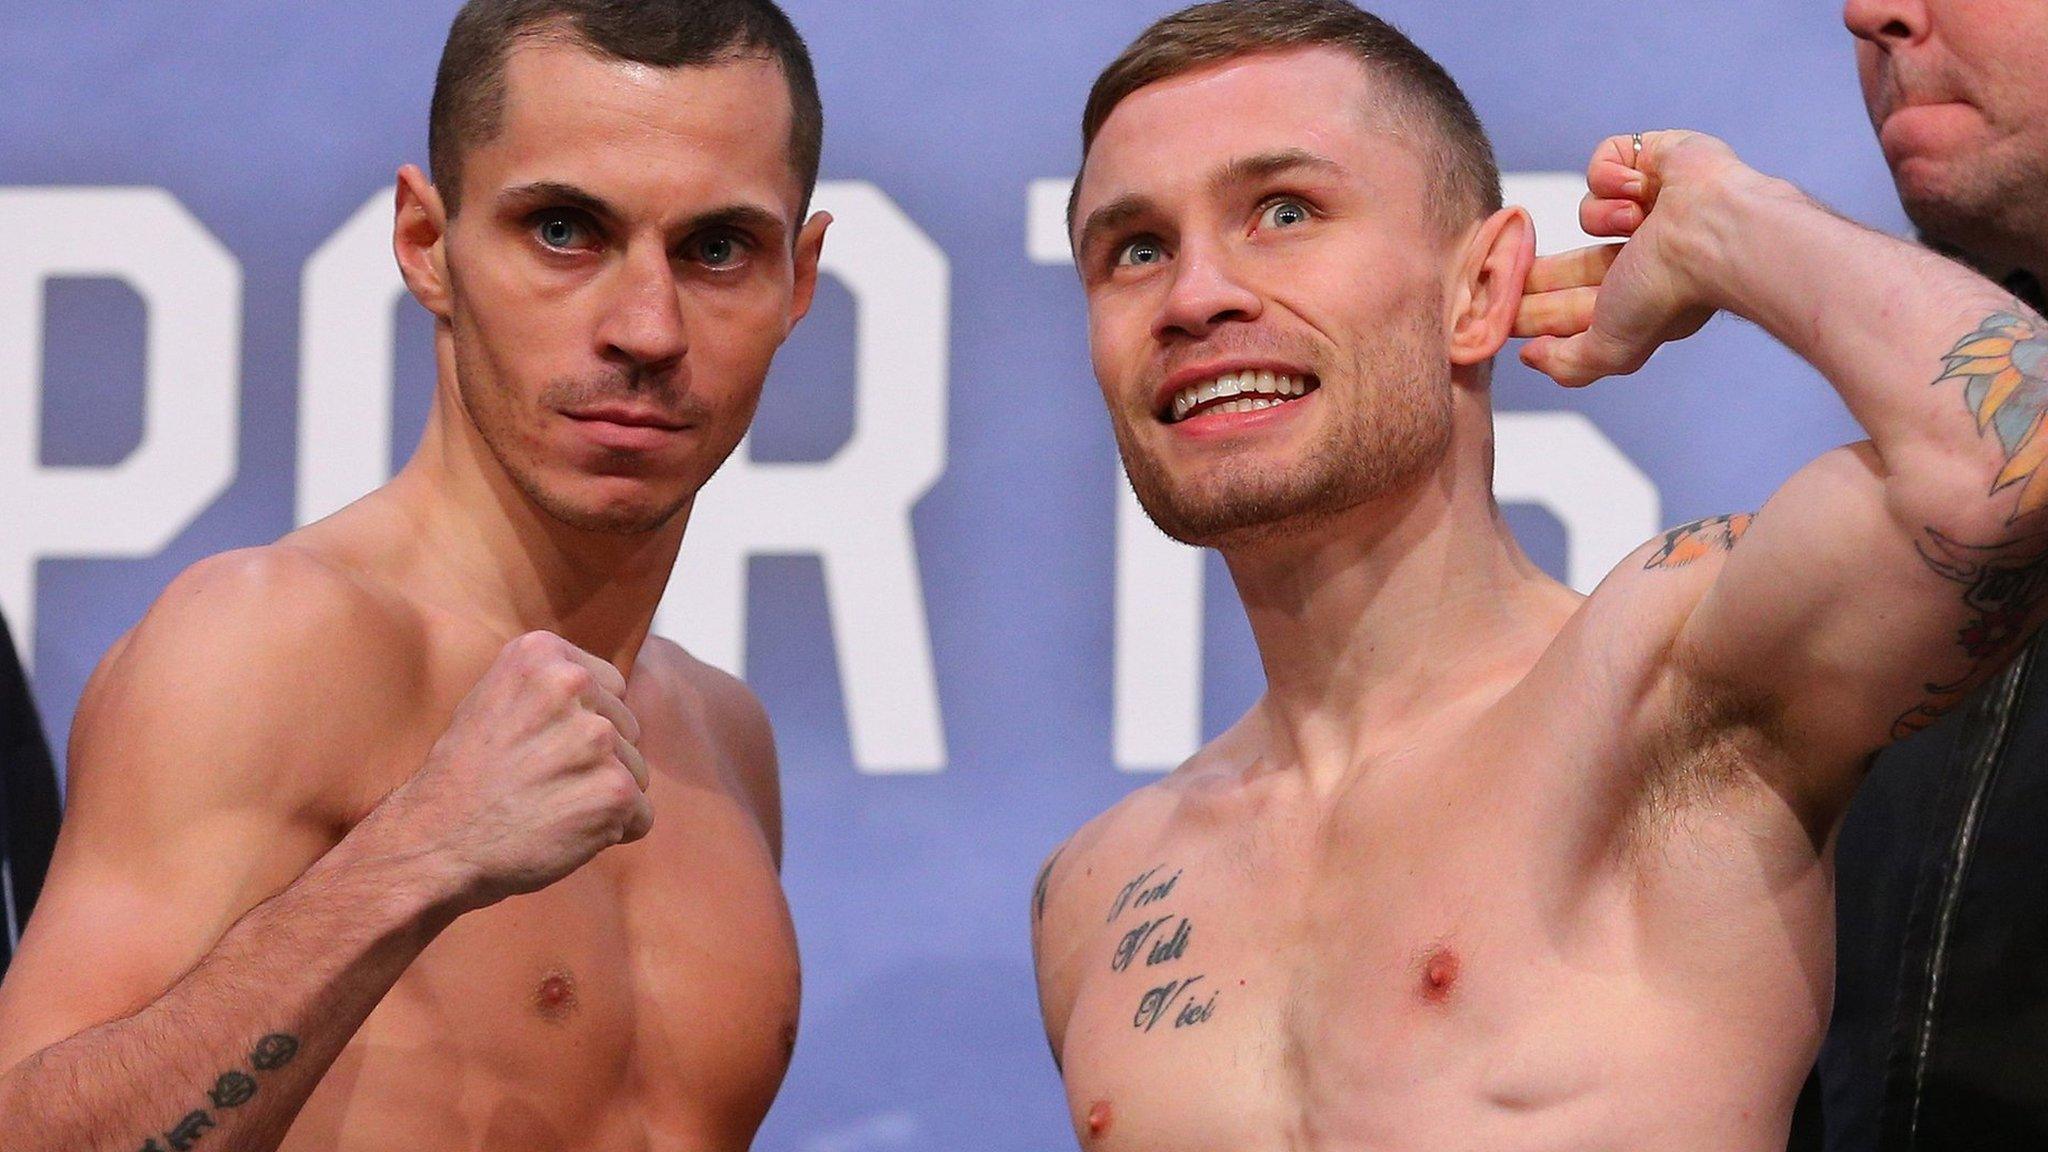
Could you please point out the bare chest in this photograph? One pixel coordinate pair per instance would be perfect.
(650, 995)
(1394, 986)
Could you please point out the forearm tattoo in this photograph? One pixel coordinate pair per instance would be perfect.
(1159, 939)
(231, 1090)
(2003, 368)
(2002, 590)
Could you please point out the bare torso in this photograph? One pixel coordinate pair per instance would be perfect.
(1513, 930)
(647, 1001)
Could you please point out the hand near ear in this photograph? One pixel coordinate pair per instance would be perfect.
(1602, 311)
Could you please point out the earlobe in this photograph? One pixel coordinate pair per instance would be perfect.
(1489, 289)
(809, 248)
(419, 233)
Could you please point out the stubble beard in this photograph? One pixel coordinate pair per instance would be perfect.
(504, 444)
(1991, 215)
(1394, 429)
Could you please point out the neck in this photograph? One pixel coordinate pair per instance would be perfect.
(1371, 625)
(498, 558)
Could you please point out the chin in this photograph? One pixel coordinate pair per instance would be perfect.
(1233, 510)
(635, 513)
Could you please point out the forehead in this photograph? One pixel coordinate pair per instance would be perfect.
(625, 131)
(1179, 131)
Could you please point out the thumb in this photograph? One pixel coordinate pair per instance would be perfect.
(1573, 361)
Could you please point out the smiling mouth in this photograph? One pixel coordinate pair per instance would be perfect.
(1236, 392)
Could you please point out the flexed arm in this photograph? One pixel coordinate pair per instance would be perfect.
(202, 954)
(1886, 579)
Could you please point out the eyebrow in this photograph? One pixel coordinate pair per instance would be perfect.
(1236, 174)
(1266, 165)
(743, 217)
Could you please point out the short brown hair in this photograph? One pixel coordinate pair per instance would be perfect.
(469, 88)
(1464, 177)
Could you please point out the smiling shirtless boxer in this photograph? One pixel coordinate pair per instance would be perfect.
(342, 809)
(1491, 865)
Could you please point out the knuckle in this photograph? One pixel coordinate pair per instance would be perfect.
(569, 678)
(596, 734)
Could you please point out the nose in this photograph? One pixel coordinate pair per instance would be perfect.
(1888, 24)
(643, 326)
(1206, 291)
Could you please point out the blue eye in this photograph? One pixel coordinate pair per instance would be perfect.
(1284, 214)
(718, 250)
(559, 231)
(1139, 253)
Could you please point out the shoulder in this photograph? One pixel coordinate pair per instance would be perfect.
(1084, 870)
(237, 670)
(731, 719)
(731, 714)
(1627, 627)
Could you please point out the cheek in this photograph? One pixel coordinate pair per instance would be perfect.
(1119, 341)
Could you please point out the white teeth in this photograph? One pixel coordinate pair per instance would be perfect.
(1254, 391)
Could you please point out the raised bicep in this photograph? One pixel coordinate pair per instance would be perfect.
(1840, 622)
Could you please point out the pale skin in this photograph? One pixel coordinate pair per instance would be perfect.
(402, 832)
(1492, 865)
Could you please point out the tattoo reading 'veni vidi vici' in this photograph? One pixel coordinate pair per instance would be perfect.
(231, 1090)
(2003, 368)
(1154, 942)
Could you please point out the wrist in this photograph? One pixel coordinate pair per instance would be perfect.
(409, 884)
(1738, 235)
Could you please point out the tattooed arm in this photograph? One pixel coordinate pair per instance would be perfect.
(179, 988)
(213, 932)
(1885, 579)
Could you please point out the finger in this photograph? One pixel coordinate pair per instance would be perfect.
(1565, 312)
(1542, 354)
(1615, 175)
(608, 677)
(1579, 268)
(615, 710)
(635, 763)
(1573, 361)
(1602, 217)
(639, 821)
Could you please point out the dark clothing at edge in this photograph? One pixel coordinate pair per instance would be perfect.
(28, 798)
(1939, 1041)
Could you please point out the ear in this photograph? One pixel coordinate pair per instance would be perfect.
(810, 245)
(419, 231)
(1488, 289)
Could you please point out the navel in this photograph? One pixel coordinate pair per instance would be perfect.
(1439, 974)
(555, 997)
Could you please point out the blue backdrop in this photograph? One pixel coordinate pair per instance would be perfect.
(911, 850)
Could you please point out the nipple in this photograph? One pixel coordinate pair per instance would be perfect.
(1439, 975)
(1099, 1118)
(555, 998)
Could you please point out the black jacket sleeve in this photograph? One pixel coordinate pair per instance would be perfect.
(28, 798)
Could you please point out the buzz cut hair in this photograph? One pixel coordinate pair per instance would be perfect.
(1416, 91)
(469, 87)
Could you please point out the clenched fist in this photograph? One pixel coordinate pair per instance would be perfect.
(1602, 311)
(537, 773)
